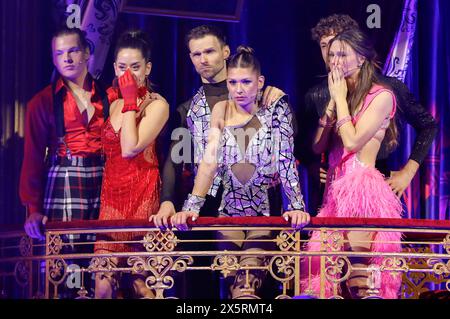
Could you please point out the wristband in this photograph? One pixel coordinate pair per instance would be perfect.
(193, 203)
(342, 121)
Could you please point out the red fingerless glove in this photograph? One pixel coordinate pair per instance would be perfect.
(129, 91)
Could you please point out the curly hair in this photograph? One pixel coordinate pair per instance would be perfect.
(333, 24)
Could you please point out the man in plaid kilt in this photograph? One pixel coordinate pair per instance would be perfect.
(62, 168)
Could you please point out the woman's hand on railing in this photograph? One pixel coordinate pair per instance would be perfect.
(299, 219)
(162, 218)
(179, 220)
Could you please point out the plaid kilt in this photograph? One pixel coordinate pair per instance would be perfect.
(72, 192)
(73, 189)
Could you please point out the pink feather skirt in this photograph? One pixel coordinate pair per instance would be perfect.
(361, 192)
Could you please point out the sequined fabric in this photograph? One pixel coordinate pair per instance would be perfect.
(198, 120)
(130, 188)
(270, 151)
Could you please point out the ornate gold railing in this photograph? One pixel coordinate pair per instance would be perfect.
(63, 265)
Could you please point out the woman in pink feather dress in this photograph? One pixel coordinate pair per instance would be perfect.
(357, 119)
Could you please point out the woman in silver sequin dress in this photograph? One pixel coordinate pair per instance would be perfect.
(250, 150)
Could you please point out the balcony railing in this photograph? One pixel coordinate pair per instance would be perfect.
(63, 265)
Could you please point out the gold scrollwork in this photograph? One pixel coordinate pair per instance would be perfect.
(57, 271)
(416, 278)
(285, 265)
(334, 269)
(160, 241)
(26, 246)
(21, 273)
(441, 268)
(446, 243)
(394, 264)
(159, 266)
(101, 264)
(333, 241)
(226, 264)
(415, 283)
(286, 240)
(54, 244)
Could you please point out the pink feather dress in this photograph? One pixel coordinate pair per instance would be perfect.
(354, 189)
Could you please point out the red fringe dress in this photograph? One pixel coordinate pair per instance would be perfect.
(355, 189)
(130, 189)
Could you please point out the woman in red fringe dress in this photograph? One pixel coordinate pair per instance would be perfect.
(131, 182)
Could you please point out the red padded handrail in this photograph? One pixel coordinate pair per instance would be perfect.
(316, 222)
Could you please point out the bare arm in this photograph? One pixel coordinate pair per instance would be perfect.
(354, 137)
(320, 143)
(205, 173)
(134, 138)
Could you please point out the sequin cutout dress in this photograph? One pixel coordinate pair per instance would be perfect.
(130, 189)
(267, 159)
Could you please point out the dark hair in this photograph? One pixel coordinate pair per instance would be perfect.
(65, 30)
(333, 24)
(134, 39)
(244, 58)
(362, 45)
(204, 30)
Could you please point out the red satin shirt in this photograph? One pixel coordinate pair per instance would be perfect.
(40, 135)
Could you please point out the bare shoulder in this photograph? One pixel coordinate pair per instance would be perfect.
(159, 105)
(220, 107)
(383, 101)
(218, 114)
(115, 105)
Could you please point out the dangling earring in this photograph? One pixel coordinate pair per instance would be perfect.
(258, 96)
(229, 96)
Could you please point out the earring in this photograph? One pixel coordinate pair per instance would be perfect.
(259, 96)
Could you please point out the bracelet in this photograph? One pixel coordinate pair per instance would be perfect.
(193, 203)
(297, 206)
(323, 123)
(342, 121)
